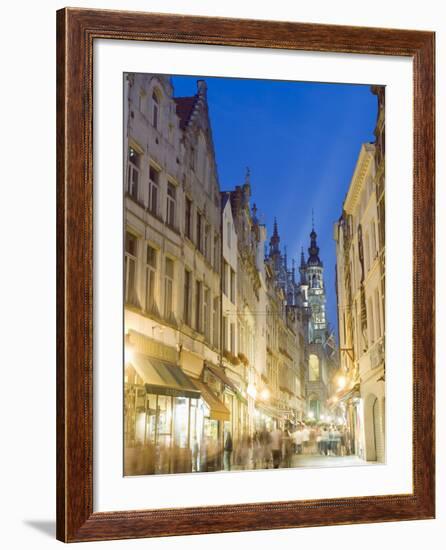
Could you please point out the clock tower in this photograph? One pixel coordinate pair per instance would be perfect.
(316, 293)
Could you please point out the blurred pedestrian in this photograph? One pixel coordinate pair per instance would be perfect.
(306, 438)
(298, 440)
(257, 451)
(331, 441)
(265, 440)
(276, 446)
(319, 439)
(324, 441)
(287, 447)
(228, 451)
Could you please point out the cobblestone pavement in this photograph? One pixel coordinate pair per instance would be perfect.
(319, 461)
(313, 461)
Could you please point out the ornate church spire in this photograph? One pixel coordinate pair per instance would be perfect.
(313, 251)
(274, 241)
(303, 268)
(254, 213)
(247, 188)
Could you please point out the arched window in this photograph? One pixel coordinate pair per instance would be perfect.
(155, 109)
(313, 368)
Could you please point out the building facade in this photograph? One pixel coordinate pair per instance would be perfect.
(172, 276)
(360, 252)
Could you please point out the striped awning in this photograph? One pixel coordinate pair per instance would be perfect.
(218, 410)
(163, 378)
(219, 373)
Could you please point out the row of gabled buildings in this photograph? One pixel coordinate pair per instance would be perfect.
(219, 336)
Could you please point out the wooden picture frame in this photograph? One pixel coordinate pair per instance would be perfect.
(77, 29)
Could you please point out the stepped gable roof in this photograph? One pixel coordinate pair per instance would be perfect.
(225, 196)
(185, 107)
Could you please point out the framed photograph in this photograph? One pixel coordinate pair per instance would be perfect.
(245, 275)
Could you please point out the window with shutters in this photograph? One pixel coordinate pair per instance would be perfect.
(168, 289)
(130, 262)
(198, 305)
(151, 265)
(153, 190)
(187, 297)
(133, 175)
(232, 285)
(199, 232)
(188, 218)
(207, 313)
(215, 321)
(155, 110)
(171, 204)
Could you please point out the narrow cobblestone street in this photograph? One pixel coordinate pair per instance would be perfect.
(314, 461)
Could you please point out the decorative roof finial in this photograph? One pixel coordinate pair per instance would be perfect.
(275, 240)
(254, 213)
(312, 219)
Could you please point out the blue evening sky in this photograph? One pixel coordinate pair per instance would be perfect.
(301, 141)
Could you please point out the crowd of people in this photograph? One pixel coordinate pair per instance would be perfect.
(276, 447)
(269, 447)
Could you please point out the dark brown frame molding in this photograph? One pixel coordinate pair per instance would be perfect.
(76, 31)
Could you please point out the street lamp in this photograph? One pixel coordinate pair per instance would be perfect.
(341, 382)
(251, 391)
(128, 353)
(265, 394)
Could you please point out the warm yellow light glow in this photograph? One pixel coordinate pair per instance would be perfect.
(341, 382)
(265, 394)
(311, 415)
(129, 354)
(335, 399)
(251, 390)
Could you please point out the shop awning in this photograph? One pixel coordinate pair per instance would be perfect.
(218, 372)
(163, 378)
(269, 410)
(345, 395)
(218, 409)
